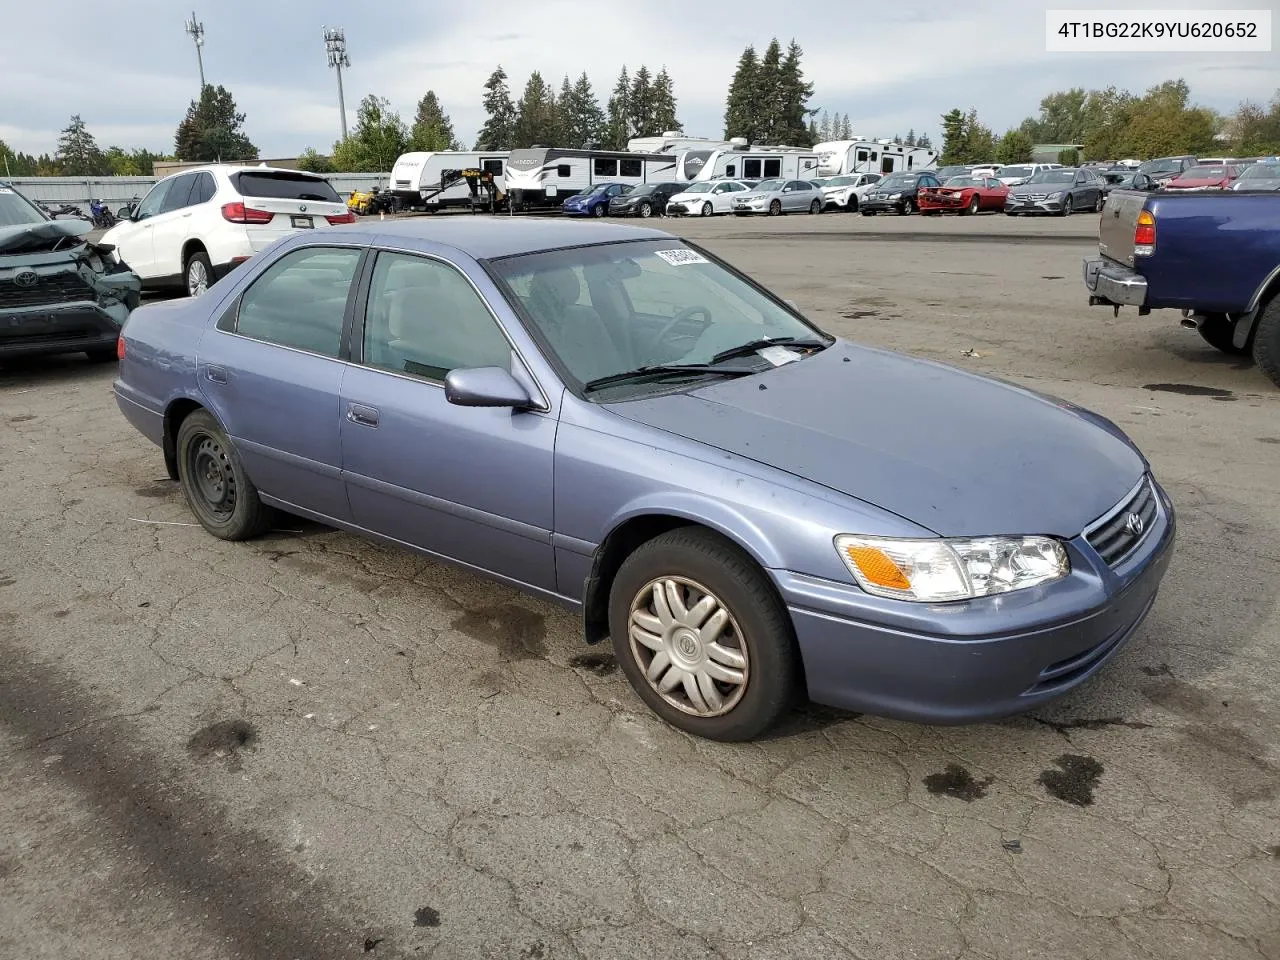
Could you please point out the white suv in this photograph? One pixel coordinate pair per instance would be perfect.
(195, 226)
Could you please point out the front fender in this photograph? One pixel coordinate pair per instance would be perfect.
(727, 519)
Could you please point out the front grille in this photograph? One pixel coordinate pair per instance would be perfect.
(1031, 197)
(64, 287)
(1117, 534)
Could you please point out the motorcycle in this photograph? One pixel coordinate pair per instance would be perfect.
(67, 210)
(102, 217)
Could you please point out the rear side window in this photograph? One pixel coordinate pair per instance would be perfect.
(204, 189)
(300, 301)
(283, 185)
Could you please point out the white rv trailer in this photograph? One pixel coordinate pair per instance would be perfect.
(432, 180)
(839, 157)
(742, 162)
(545, 176)
(674, 142)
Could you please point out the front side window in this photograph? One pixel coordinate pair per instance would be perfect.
(152, 202)
(611, 308)
(300, 300)
(424, 319)
(179, 194)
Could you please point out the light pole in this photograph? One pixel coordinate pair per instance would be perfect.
(195, 30)
(335, 44)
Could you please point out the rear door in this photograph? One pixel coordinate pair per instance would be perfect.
(293, 200)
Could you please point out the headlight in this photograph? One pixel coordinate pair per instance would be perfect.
(1055, 196)
(894, 196)
(930, 571)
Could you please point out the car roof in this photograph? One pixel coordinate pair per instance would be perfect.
(490, 237)
(230, 168)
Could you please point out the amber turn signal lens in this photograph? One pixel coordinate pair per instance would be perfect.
(878, 568)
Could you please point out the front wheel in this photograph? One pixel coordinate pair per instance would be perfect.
(707, 210)
(908, 208)
(646, 210)
(219, 492)
(598, 210)
(1068, 206)
(198, 273)
(868, 213)
(775, 208)
(701, 636)
(974, 204)
(1097, 204)
(852, 205)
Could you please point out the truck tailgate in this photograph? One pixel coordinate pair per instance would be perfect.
(1115, 229)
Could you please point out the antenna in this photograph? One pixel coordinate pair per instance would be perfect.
(195, 30)
(335, 45)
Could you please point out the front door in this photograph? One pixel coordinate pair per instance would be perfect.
(470, 484)
(172, 225)
(133, 242)
(272, 371)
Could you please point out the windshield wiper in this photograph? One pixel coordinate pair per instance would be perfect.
(747, 349)
(659, 370)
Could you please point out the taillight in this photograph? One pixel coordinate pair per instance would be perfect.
(238, 213)
(1144, 235)
(120, 347)
(338, 218)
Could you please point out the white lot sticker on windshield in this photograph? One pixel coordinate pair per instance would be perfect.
(678, 257)
(778, 355)
(5, 190)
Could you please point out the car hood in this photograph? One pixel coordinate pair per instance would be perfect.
(956, 453)
(40, 237)
(1023, 189)
(686, 197)
(1176, 184)
(757, 195)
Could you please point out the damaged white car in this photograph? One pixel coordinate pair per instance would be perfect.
(59, 293)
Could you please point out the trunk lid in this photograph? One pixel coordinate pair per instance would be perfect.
(1119, 220)
(299, 201)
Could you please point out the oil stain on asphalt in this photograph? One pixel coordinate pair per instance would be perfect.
(601, 664)
(956, 781)
(426, 917)
(1075, 781)
(517, 632)
(224, 739)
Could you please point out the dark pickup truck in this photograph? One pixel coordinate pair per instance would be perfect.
(1213, 255)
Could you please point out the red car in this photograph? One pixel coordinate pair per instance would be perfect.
(1217, 177)
(964, 195)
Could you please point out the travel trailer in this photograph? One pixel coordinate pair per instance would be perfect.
(837, 157)
(545, 176)
(434, 180)
(743, 162)
(674, 142)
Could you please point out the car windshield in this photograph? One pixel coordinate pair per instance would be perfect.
(643, 189)
(1262, 171)
(839, 181)
(1157, 167)
(611, 308)
(702, 187)
(962, 182)
(1203, 173)
(16, 211)
(764, 186)
(1015, 171)
(284, 185)
(1053, 176)
(897, 183)
(955, 171)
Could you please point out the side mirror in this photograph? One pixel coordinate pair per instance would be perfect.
(1142, 182)
(485, 387)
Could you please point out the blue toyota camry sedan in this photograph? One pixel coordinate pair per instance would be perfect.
(747, 508)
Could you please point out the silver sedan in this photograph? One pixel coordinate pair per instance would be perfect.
(779, 196)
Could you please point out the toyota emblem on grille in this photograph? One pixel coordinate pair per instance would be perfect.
(1134, 525)
(27, 278)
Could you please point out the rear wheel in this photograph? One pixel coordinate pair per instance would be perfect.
(701, 636)
(868, 213)
(1218, 331)
(197, 273)
(220, 493)
(1266, 341)
(815, 207)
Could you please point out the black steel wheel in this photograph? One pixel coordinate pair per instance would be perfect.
(218, 490)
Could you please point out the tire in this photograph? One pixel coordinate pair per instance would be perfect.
(974, 205)
(211, 475)
(598, 210)
(908, 207)
(815, 208)
(1266, 341)
(775, 208)
(1068, 206)
(852, 205)
(707, 210)
(869, 213)
(760, 647)
(1218, 331)
(197, 274)
(1097, 204)
(646, 210)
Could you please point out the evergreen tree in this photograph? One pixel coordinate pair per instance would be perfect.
(640, 108)
(1015, 147)
(536, 120)
(432, 129)
(373, 144)
(980, 142)
(213, 130)
(824, 128)
(618, 124)
(769, 104)
(664, 104)
(500, 113)
(741, 118)
(846, 129)
(953, 140)
(911, 138)
(794, 93)
(924, 141)
(78, 154)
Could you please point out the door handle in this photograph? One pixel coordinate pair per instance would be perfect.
(216, 374)
(362, 414)
(186, 215)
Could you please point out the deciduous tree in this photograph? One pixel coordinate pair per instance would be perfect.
(1015, 147)
(373, 144)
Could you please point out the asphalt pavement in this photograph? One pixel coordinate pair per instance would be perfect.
(308, 746)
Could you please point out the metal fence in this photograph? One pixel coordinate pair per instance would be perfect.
(117, 191)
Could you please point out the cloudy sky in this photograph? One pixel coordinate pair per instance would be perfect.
(129, 69)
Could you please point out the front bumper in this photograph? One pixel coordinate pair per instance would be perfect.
(981, 659)
(32, 328)
(1113, 284)
(1024, 205)
(884, 206)
(749, 209)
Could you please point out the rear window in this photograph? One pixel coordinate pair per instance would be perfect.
(284, 186)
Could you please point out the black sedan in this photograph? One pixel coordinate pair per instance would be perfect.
(898, 191)
(644, 200)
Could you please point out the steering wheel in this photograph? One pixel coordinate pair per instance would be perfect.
(685, 317)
